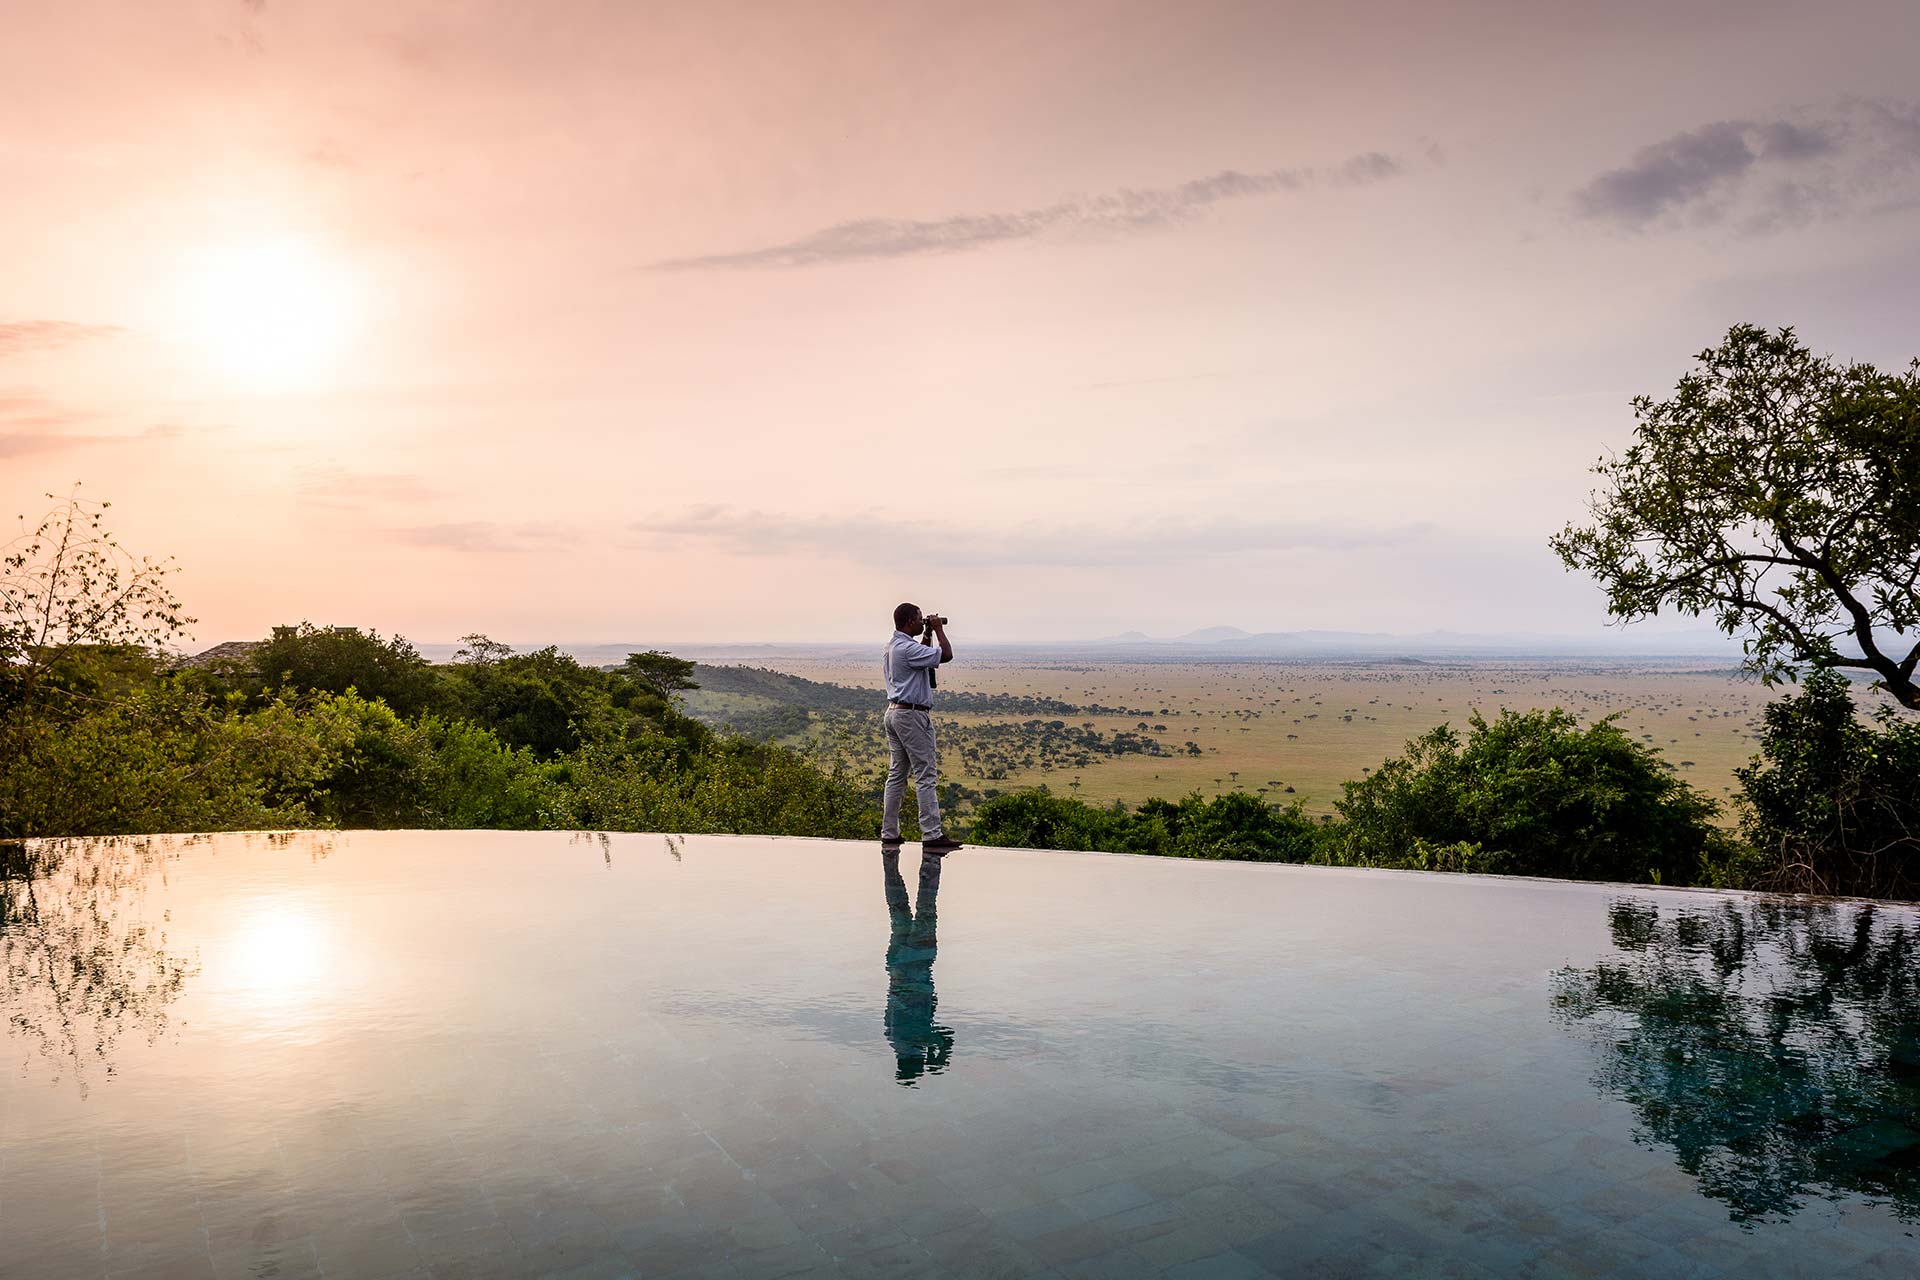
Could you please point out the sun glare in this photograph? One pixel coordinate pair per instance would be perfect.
(279, 950)
(268, 313)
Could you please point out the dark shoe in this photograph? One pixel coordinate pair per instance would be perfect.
(940, 844)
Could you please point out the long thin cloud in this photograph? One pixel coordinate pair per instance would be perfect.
(481, 537)
(19, 443)
(46, 335)
(1127, 209)
(331, 485)
(874, 536)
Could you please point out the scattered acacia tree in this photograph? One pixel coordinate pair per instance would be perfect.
(481, 650)
(1779, 492)
(68, 586)
(663, 673)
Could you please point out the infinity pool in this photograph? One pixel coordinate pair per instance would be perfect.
(490, 1054)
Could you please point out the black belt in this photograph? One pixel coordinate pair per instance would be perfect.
(910, 706)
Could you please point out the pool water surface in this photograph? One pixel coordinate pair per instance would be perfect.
(488, 1054)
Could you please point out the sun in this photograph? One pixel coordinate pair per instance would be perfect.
(270, 312)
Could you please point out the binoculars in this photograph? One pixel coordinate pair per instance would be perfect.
(934, 619)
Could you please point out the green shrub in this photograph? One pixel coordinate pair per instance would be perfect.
(1532, 794)
(162, 758)
(1832, 803)
(429, 772)
(1234, 825)
(655, 784)
(544, 701)
(1038, 819)
(336, 659)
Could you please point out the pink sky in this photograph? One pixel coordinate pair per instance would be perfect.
(684, 322)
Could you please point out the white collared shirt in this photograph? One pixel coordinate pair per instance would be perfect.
(905, 663)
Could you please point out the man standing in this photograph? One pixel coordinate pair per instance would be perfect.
(908, 665)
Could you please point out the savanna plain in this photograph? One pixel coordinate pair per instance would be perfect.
(1129, 730)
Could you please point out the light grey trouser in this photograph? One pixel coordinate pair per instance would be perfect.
(910, 749)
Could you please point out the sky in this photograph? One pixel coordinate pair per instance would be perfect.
(727, 322)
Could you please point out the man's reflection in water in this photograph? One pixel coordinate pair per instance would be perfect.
(921, 1046)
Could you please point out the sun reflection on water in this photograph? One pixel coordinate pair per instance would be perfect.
(280, 951)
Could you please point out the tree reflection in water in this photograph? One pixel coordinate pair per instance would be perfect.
(1774, 1046)
(82, 964)
(921, 1046)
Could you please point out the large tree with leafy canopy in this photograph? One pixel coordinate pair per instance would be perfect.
(1778, 492)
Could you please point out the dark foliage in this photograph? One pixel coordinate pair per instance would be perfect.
(1779, 493)
(1234, 825)
(336, 659)
(544, 700)
(1832, 802)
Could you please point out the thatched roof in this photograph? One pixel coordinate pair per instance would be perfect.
(231, 653)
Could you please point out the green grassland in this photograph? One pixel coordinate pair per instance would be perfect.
(1122, 731)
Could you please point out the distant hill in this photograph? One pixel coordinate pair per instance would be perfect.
(779, 687)
(1236, 644)
(1456, 644)
(1213, 635)
(1227, 644)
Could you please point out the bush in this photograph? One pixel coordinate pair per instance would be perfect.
(1234, 825)
(544, 701)
(1832, 803)
(388, 772)
(162, 758)
(1530, 793)
(736, 786)
(169, 759)
(336, 659)
(1038, 819)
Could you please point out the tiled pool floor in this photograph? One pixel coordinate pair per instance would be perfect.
(441, 1055)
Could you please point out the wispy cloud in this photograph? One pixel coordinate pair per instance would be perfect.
(1165, 377)
(19, 444)
(875, 537)
(24, 410)
(16, 442)
(1128, 209)
(17, 336)
(31, 424)
(482, 537)
(329, 485)
(1762, 174)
